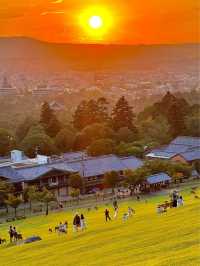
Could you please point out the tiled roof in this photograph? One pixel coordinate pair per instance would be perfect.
(191, 155)
(188, 141)
(71, 156)
(180, 145)
(93, 166)
(158, 178)
(90, 166)
(131, 162)
(30, 173)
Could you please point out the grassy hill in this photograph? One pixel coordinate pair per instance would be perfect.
(170, 239)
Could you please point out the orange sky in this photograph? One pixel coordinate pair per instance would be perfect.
(133, 21)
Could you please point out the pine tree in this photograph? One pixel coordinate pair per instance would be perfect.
(46, 114)
(49, 120)
(90, 112)
(122, 115)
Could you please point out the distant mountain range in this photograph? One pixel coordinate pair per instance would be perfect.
(24, 54)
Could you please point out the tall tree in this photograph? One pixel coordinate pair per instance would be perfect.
(122, 115)
(46, 197)
(5, 189)
(46, 114)
(111, 179)
(7, 141)
(40, 143)
(13, 202)
(30, 194)
(101, 147)
(53, 127)
(65, 140)
(91, 133)
(76, 181)
(23, 128)
(49, 120)
(156, 130)
(90, 112)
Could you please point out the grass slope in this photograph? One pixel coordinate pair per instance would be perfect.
(146, 239)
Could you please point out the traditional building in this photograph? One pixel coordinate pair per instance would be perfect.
(157, 181)
(182, 149)
(54, 173)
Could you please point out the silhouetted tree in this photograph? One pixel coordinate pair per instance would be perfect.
(122, 115)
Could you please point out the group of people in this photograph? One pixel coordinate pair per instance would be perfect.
(62, 227)
(125, 216)
(79, 223)
(13, 234)
(176, 201)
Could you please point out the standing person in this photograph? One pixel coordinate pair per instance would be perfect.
(131, 211)
(107, 215)
(11, 233)
(83, 224)
(15, 233)
(115, 204)
(116, 213)
(76, 222)
(180, 201)
(174, 199)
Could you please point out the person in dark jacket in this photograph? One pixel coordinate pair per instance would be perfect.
(76, 222)
(107, 215)
(11, 233)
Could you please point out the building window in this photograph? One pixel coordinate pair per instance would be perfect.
(53, 180)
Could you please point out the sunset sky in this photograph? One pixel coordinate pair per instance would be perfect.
(127, 22)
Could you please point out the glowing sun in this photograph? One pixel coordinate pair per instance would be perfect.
(95, 22)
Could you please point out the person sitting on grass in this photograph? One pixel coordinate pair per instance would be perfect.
(65, 227)
(131, 211)
(161, 209)
(125, 217)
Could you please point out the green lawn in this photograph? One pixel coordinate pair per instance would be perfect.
(146, 239)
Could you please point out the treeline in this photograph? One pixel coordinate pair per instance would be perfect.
(100, 131)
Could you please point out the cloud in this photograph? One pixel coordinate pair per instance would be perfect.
(52, 12)
(57, 2)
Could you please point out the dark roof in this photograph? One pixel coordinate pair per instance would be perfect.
(191, 155)
(93, 166)
(30, 173)
(72, 156)
(179, 145)
(89, 166)
(195, 173)
(158, 178)
(131, 162)
(188, 141)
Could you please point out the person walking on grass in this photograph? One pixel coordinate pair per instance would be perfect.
(83, 223)
(107, 215)
(116, 208)
(115, 213)
(11, 233)
(76, 222)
